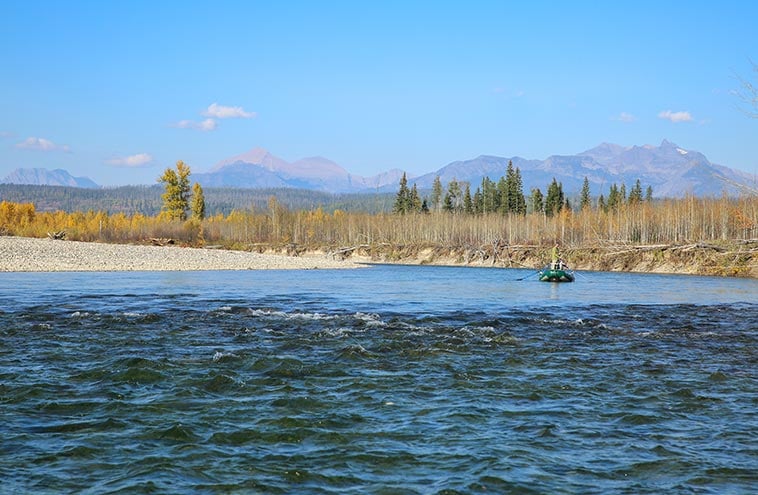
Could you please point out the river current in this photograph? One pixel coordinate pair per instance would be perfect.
(386, 380)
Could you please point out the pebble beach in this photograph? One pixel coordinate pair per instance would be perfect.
(21, 254)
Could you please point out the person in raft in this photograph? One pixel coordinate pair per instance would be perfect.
(557, 263)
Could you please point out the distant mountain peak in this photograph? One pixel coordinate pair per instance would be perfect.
(45, 177)
(256, 156)
(259, 168)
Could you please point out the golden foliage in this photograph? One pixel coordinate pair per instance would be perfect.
(667, 221)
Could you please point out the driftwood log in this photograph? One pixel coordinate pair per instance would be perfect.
(162, 242)
(342, 253)
(58, 236)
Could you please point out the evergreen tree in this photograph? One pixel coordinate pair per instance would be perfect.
(649, 194)
(517, 193)
(477, 201)
(503, 195)
(614, 197)
(198, 202)
(555, 199)
(512, 193)
(601, 203)
(622, 193)
(177, 191)
(537, 201)
(403, 198)
(490, 196)
(468, 204)
(436, 194)
(414, 202)
(635, 195)
(448, 204)
(453, 200)
(585, 200)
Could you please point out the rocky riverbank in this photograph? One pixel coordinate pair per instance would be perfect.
(732, 259)
(20, 254)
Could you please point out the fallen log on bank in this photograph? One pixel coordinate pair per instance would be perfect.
(344, 252)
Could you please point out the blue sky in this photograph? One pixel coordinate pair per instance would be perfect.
(118, 91)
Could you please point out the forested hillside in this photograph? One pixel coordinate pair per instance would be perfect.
(147, 199)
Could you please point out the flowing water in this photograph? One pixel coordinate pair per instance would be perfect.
(387, 380)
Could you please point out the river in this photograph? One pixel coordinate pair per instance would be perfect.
(387, 380)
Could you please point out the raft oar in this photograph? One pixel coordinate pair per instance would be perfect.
(527, 276)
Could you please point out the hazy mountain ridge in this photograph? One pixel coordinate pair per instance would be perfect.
(259, 168)
(670, 170)
(45, 177)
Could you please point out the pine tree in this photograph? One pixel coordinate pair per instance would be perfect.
(177, 191)
(453, 199)
(477, 201)
(537, 201)
(403, 197)
(437, 194)
(468, 204)
(649, 194)
(414, 201)
(614, 197)
(490, 197)
(555, 199)
(510, 185)
(519, 205)
(585, 200)
(512, 191)
(503, 195)
(635, 195)
(198, 202)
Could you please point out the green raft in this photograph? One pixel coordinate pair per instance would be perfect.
(550, 274)
(557, 270)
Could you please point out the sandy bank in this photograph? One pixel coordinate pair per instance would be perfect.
(20, 254)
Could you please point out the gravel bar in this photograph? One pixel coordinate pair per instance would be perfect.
(22, 254)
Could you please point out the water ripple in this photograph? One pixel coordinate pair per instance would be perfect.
(108, 394)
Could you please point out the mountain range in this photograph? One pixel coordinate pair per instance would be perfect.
(258, 168)
(45, 177)
(669, 169)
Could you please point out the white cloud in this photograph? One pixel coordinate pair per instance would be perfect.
(5, 134)
(675, 117)
(205, 125)
(138, 160)
(625, 117)
(41, 144)
(222, 112)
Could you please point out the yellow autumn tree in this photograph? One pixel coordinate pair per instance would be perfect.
(177, 191)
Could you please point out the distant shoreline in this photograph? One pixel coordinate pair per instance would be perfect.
(22, 254)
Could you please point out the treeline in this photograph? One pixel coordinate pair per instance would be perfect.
(506, 196)
(668, 221)
(146, 200)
